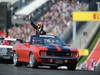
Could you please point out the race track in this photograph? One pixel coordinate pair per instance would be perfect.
(9, 69)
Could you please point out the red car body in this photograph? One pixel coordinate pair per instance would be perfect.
(47, 54)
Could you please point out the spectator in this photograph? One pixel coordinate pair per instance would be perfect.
(56, 20)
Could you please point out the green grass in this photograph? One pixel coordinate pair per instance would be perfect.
(91, 45)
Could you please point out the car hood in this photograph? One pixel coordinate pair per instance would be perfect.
(56, 47)
(53, 47)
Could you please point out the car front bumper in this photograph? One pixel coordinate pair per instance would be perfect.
(59, 58)
(5, 53)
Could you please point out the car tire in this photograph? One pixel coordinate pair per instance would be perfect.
(15, 60)
(32, 61)
(71, 66)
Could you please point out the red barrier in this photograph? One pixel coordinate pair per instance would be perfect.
(94, 57)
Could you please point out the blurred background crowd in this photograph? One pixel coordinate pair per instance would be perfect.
(56, 19)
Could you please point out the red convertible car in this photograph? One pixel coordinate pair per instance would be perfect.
(45, 50)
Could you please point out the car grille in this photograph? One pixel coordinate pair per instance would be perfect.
(63, 54)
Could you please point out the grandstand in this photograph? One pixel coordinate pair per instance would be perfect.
(27, 10)
(11, 1)
(56, 15)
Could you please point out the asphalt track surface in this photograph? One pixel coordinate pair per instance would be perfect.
(8, 69)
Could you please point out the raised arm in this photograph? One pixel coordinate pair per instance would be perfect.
(34, 25)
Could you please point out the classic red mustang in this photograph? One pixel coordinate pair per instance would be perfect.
(45, 50)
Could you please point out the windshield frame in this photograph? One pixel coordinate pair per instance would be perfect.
(55, 38)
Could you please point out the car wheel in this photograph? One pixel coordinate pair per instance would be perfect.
(72, 66)
(32, 61)
(15, 60)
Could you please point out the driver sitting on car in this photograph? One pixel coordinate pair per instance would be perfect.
(39, 28)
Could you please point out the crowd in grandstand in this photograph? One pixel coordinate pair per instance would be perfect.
(56, 20)
(22, 31)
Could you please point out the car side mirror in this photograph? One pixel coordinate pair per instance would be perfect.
(27, 44)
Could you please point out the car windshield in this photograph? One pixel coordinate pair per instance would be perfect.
(47, 41)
